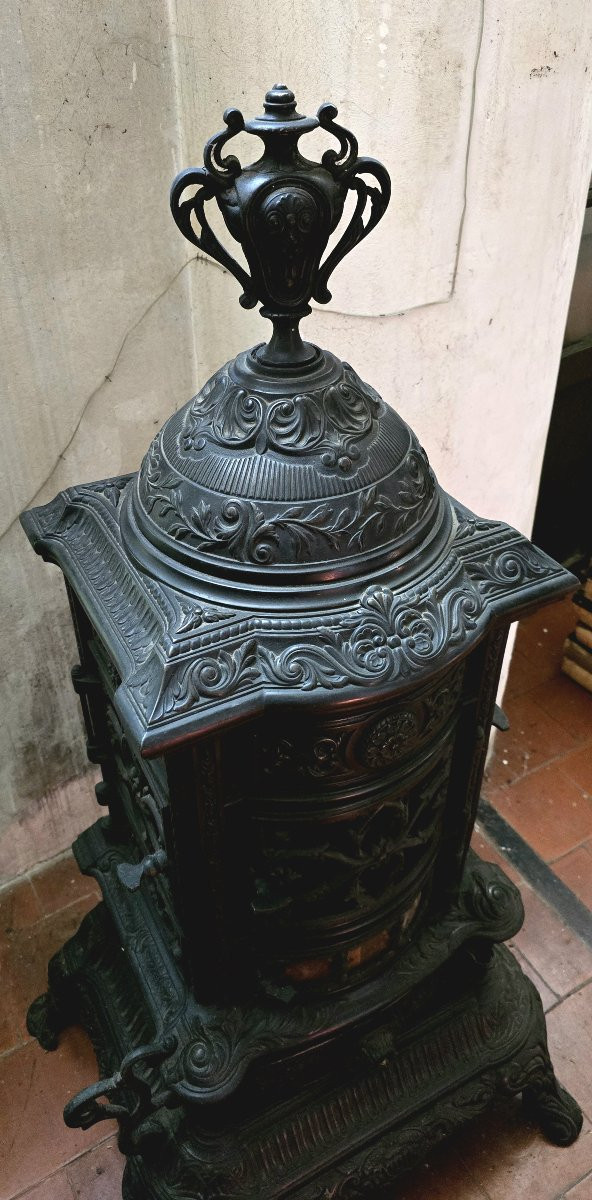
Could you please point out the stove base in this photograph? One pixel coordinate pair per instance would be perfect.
(332, 1121)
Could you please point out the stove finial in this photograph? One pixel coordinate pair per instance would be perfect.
(282, 209)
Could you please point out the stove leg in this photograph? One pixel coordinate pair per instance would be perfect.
(53, 1011)
(545, 1102)
(549, 1106)
(45, 1021)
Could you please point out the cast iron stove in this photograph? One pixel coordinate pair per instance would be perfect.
(290, 641)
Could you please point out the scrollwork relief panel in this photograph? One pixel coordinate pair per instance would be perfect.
(248, 532)
(328, 423)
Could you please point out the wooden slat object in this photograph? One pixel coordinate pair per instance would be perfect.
(577, 648)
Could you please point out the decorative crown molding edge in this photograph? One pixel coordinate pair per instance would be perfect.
(179, 657)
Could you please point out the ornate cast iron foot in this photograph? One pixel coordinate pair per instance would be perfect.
(45, 1021)
(556, 1113)
(546, 1103)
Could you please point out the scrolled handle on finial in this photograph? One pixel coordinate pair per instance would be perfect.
(211, 179)
(283, 208)
(347, 167)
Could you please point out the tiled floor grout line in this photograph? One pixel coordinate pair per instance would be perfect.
(46, 1179)
(84, 1154)
(583, 983)
(56, 912)
(552, 862)
(561, 1195)
(560, 999)
(32, 873)
(549, 762)
(13, 1049)
(63, 1168)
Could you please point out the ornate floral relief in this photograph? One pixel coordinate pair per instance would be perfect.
(392, 637)
(327, 869)
(375, 743)
(118, 588)
(209, 677)
(111, 489)
(328, 422)
(396, 733)
(471, 527)
(288, 221)
(319, 757)
(378, 517)
(390, 737)
(240, 529)
(439, 704)
(193, 616)
(516, 565)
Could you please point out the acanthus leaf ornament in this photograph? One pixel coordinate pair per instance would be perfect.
(328, 422)
(512, 566)
(194, 616)
(243, 530)
(213, 676)
(391, 638)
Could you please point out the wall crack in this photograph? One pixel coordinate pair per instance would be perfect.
(107, 378)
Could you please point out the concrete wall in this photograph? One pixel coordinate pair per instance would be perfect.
(483, 115)
(96, 344)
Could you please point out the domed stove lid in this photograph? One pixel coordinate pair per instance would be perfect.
(286, 467)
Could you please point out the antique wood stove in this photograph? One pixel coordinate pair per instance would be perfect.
(290, 640)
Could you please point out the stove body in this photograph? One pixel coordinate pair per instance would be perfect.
(290, 641)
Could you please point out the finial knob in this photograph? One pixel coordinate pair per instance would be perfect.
(280, 101)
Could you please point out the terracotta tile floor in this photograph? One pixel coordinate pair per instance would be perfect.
(539, 775)
(540, 780)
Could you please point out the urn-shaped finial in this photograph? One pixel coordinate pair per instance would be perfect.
(282, 209)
